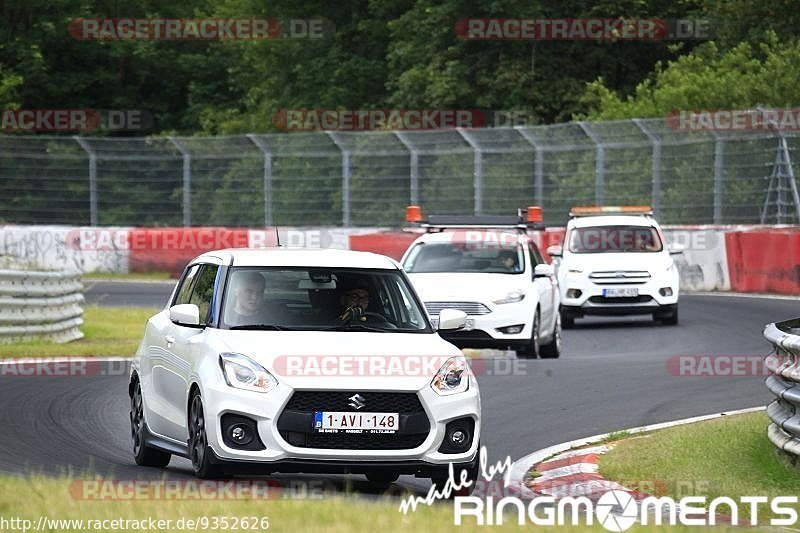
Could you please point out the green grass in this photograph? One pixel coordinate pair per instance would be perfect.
(133, 276)
(108, 331)
(729, 456)
(35, 496)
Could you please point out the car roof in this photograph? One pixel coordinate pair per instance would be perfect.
(612, 220)
(447, 236)
(297, 257)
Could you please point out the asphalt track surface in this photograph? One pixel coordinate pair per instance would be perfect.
(612, 375)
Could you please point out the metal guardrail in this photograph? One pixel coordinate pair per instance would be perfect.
(784, 383)
(40, 305)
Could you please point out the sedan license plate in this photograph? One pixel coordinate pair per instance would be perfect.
(617, 293)
(337, 421)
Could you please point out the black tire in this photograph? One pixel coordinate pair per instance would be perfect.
(143, 454)
(199, 451)
(530, 350)
(382, 479)
(552, 350)
(472, 469)
(567, 321)
(671, 319)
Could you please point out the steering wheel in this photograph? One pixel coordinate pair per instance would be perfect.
(382, 318)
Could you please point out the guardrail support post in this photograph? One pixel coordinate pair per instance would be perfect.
(187, 181)
(538, 165)
(345, 178)
(655, 139)
(477, 171)
(719, 165)
(261, 145)
(92, 179)
(599, 164)
(413, 184)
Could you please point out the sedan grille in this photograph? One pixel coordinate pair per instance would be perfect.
(470, 308)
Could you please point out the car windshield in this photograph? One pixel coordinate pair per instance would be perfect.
(321, 299)
(614, 239)
(463, 257)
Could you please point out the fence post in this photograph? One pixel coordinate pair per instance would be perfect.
(92, 179)
(655, 139)
(599, 164)
(477, 171)
(538, 165)
(261, 145)
(345, 177)
(187, 181)
(413, 169)
(719, 160)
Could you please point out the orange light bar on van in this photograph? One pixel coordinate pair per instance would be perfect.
(534, 214)
(600, 210)
(413, 213)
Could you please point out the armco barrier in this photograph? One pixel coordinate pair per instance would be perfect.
(784, 383)
(40, 305)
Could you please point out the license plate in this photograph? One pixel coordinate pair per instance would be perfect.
(616, 293)
(336, 421)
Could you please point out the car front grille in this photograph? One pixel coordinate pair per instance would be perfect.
(620, 277)
(642, 298)
(296, 422)
(470, 308)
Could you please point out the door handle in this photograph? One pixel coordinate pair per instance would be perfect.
(170, 340)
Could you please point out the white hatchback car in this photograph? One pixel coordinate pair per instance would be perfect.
(498, 278)
(615, 262)
(298, 360)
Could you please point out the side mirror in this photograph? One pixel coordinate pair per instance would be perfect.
(185, 314)
(555, 251)
(450, 319)
(543, 271)
(676, 249)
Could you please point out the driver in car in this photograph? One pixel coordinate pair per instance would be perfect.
(248, 300)
(354, 301)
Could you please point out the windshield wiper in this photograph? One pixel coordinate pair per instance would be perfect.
(266, 327)
(351, 325)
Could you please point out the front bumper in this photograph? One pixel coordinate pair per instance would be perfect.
(592, 301)
(487, 331)
(280, 455)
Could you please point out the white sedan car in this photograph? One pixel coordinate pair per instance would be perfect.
(499, 279)
(302, 361)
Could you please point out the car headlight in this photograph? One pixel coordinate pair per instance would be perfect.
(574, 272)
(241, 372)
(510, 298)
(452, 378)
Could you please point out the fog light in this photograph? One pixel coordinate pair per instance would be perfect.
(574, 293)
(240, 434)
(516, 328)
(458, 437)
(665, 291)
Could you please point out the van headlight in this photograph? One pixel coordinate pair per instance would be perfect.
(510, 298)
(452, 378)
(241, 372)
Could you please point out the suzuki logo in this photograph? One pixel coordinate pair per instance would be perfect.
(357, 401)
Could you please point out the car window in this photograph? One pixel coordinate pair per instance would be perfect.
(464, 257)
(185, 290)
(203, 292)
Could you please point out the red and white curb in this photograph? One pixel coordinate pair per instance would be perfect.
(570, 468)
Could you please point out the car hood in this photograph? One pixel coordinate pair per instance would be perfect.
(342, 359)
(617, 261)
(466, 287)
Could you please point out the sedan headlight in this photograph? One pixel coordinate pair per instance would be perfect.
(510, 298)
(452, 378)
(241, 372)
